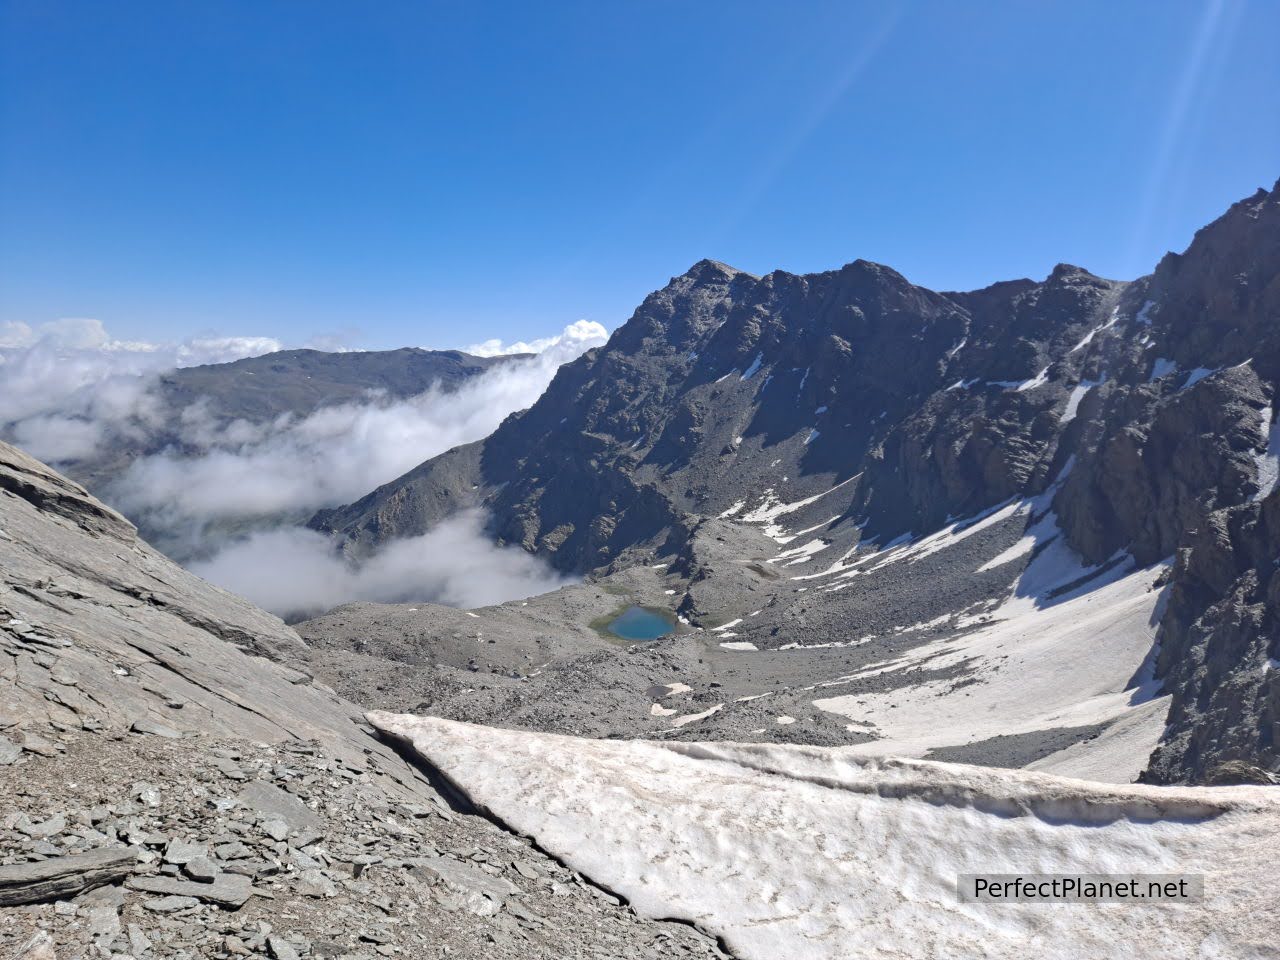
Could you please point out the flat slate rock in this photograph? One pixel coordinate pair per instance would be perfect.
(62, 877)
(272, 803)
(9, 752)
(228, 890)
(465, 879)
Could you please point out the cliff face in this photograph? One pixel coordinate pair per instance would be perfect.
(1220, 650)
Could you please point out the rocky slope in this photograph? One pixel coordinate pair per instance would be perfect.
(856, 409)
(170, 788)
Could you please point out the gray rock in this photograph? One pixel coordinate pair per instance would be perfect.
(184, 851)
(313, 883)
(465, 880)
(281, 949)
(235, 850)
(201, 869)
(155, 729)
(10, 752)
(105, 896)
(38, 947)
(34, 743)
(272, 803)
(170, 904)
(45, 828)
(226, 890)
(103, 922)
(527, 870)
(230, 769)
(275, 829)
(63, 877)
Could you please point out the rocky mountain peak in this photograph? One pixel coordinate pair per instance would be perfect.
(1067, 273)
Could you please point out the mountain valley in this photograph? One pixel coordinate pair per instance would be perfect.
(957, 582)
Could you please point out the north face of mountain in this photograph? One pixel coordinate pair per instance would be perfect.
(858, 410)
(1220, 649)
(724, 385)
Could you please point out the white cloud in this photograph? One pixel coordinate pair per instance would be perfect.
(69, 391)
(333, 456)
(67, 386)
(295, 572)
(575, 339)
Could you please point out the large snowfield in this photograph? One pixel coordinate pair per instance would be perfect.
(1037, 666)
(792, 853)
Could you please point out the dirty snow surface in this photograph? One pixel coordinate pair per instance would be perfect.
(1083, 658)
(810, 853)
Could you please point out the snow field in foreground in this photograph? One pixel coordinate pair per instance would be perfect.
(810, 853)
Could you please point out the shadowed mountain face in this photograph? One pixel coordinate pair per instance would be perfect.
(1142, 410)
(724, 385)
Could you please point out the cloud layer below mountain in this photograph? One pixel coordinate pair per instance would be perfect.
(69, 391)
(294, 573)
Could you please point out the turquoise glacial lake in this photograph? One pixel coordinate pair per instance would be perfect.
(641, 624)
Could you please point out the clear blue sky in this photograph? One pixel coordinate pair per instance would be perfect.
(438, 174)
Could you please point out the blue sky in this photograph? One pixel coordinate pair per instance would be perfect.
(409, 173)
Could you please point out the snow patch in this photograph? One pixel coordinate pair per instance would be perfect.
(801, 554)
(1088, 337)
(771, 508)
(1161, 368)
(1077, 394)
(754, 368)
(1039, 380)
(1050, 659)
(818, 853)
(1196, 375)
(903, 548)
(689, 718)
(1268, 461)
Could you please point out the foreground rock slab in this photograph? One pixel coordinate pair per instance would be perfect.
(227, 890)
(63, 877)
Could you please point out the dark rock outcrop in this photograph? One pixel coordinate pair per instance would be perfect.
(1220, 646)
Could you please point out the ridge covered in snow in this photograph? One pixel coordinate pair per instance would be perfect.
(812, 853)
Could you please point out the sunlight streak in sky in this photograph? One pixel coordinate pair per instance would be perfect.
(1211, 41)
(810, 118)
